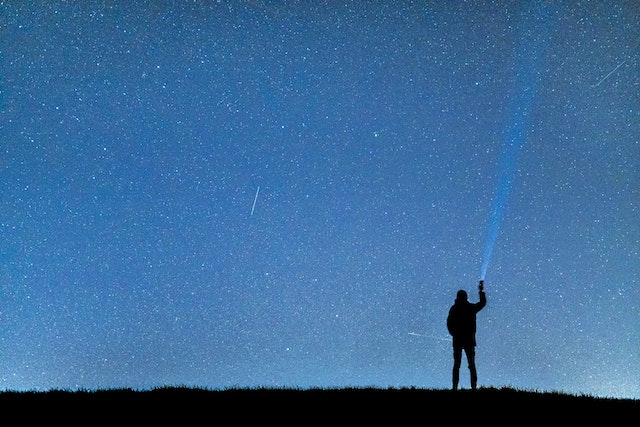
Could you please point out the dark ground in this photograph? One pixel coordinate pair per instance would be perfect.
(187, 406)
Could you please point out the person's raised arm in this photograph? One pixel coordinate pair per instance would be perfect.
(483, 297)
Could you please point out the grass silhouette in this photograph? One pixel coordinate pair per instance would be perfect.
(185, 405)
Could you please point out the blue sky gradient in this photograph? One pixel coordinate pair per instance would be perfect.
(135, 135)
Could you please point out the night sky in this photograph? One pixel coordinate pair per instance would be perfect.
(290, 194)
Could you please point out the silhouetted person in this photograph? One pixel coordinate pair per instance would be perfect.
(461, 323)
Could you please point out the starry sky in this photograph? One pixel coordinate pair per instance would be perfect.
(290, 193)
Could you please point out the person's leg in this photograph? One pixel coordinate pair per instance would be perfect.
(471, 359)
(457, 361)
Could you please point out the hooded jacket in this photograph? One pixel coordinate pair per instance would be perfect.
(461, 321)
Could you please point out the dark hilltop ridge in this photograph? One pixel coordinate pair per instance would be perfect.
(301, 406)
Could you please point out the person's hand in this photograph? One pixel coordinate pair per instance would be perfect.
(481, 286)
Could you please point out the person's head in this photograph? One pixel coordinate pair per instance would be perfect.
(461, 296)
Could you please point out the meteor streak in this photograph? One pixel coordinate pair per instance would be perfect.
(429, 336)
(255, 199)
(611, 72)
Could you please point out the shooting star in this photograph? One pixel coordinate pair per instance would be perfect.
(429, 336)
(611, 72)
(255, 199)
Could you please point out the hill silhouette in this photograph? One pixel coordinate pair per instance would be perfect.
(493, 406)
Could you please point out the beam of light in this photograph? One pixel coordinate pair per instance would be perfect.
(530, 52)
(255, 199)
(512, 148)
